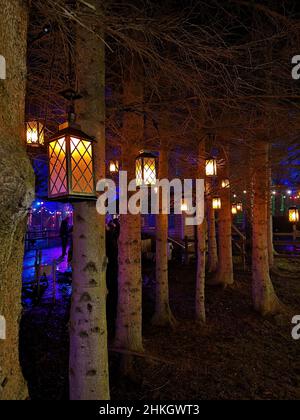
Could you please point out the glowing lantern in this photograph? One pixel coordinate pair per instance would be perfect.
(234, 209)
(71, 168)
(294, 215)
(211, 167)
(184, 206)
(216, 203)
(239, 207)
(35, 134)
(225, 183)
(145, 169)
(113, 167)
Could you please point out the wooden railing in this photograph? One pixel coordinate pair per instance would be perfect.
(294, 235)
(32, 237)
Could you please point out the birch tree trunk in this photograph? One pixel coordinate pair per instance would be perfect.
(16, 192)
(212, 239)
(224, 275)
(163, 315)
(129, 312)
(88, 331)
(201, 249)
(264, 297)
(271, 250)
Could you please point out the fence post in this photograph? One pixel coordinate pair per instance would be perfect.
(294, 233)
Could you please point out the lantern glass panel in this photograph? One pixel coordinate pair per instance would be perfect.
(211, 167)
(58, 167)
(139, 172)
(82, 179)
(35, 133)
(149, 171)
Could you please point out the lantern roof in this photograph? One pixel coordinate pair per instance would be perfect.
(146, 154)
(71, 130)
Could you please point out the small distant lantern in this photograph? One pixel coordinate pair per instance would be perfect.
(239, 207)
(35, 134)
(145, 168)
(113, 167)
(184, 206)
(225, 183)
(211, 167)
(71, 167)
(216, 203)
(294, 215)
(234, 209)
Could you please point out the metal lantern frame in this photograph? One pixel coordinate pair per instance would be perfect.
(146, 164)
(294, 216)
(35, 126)
(71, 178)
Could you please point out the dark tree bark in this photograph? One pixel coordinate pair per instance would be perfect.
(224, 274)
(201, 249)
(264, 297)
(129, 314)
(163, 315)
(16, 191)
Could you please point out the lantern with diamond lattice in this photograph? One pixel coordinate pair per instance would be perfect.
(71, 168)
(34, 134)
(145, 169)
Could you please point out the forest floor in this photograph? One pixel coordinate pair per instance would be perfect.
(237, 355)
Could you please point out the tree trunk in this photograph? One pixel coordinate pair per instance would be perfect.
(271, 250)
(88, 331)
(16, 192)
(163, 315)
(212, 239)
(264, 297)
(201, 249)
(129, 316)
(129, 313)
(224, 275)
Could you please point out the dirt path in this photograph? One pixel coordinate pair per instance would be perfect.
(238, 355)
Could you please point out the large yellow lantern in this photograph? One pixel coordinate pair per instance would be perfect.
(35, 134)
(211, 167)
(71, 167)
(294, 215)
(145, 169)
(216, 203)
